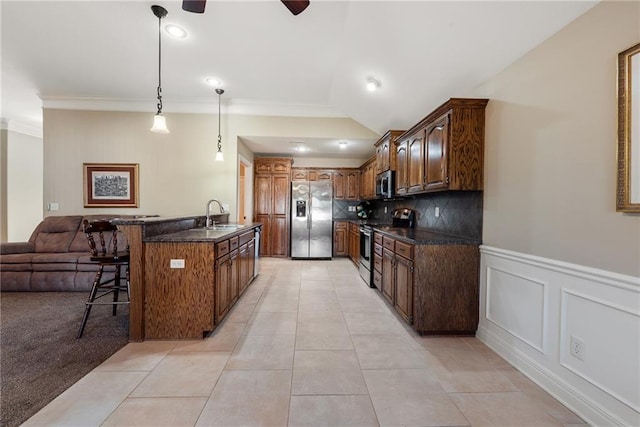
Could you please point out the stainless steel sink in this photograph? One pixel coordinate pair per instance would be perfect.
(222, 227)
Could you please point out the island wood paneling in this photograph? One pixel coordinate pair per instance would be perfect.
(136, 280)
(446, 289)
(179, 301)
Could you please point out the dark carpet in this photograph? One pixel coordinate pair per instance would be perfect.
(39, 354)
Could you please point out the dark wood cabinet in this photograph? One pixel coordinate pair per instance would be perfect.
(435, 156)
(402, 182)
(339, 185)
(345, 184)
(221, 291)
(368, 179)
(340, 238)
(403, 289)
(272, 193)
(387, 274)
(184, 303)
(434, 288)
(354, 242)
(444, 151)
(352, 186)
(385, 151)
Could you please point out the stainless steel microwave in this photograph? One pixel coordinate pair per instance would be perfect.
(385, 184)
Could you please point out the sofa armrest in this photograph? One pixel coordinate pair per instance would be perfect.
(16, 248)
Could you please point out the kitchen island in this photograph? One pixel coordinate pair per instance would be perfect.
(183, 277)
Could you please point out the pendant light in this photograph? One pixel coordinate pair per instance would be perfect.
(219, 155)
(159, 121)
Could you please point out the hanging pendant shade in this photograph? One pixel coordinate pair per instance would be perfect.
(159, 124)
(159, 121)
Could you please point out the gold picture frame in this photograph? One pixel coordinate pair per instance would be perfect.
(628, 182)
(110, 185)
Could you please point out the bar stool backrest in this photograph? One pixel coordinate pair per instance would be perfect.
(108, 248)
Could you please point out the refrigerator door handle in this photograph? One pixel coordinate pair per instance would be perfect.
(309, 220)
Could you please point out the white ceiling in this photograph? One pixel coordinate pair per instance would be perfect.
(103, 55)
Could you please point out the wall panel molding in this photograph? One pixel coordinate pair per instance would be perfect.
(601, 308)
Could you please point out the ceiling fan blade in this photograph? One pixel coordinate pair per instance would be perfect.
(296, 6)
(195, 6)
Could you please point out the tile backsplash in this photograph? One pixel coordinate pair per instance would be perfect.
(341, 209)
(460, 212)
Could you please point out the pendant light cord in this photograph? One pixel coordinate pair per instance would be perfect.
(159, 65)
(219, 91)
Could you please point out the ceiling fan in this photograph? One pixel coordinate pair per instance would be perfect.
(197, 6)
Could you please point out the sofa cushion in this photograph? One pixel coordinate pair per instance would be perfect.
(16, 247)
(56, 233)
(57, 257)
(17, 259)
(16, 267)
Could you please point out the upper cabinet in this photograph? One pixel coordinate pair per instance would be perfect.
(345, 184)
(385, 151)
(272, 165)
(368, 179)
(444, 151)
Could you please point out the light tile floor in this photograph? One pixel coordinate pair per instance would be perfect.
(307, 344)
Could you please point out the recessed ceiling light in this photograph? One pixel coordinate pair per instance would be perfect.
(175, 31)
(213, 81)
(343, 145)
(372, 84)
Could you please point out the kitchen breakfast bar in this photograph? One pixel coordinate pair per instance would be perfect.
(185, 277)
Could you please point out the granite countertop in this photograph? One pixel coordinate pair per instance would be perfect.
(419, 236)
(204, 234)
(154, 219)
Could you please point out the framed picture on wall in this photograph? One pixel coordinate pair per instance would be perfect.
(110, 185)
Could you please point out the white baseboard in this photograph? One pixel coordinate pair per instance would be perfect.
(527, 318)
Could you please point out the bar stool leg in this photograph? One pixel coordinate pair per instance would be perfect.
(88, 304)
(116, 288)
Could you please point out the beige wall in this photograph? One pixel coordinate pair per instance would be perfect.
(3, 185)
(22, 185)
(550, 159)
(178, 173)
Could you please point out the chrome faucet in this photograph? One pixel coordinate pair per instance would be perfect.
(208, 211)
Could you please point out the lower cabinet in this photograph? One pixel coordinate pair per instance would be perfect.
(233, 272)
(340, 238)
(397, 276)
(434, 288)
(354, 242)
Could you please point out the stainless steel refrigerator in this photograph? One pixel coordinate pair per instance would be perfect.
(311, 219)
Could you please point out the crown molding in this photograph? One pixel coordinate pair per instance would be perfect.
(202, 106)
(19, 126)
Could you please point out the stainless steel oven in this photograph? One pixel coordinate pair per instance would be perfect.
(366, 257)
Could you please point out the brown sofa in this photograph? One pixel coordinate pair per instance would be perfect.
(56, 257)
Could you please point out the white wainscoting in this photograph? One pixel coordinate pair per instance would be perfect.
(530, 307)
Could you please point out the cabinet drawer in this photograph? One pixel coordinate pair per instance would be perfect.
(377, 249)
(404, 249)
(246, 237)
(354, 228)
(388, 243)
(233, 243)
(377, 262)
(377, 279)
(222, 248)
(340, 225)
(377, 238)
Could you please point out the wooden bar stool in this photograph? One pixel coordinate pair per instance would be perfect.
(105, 255)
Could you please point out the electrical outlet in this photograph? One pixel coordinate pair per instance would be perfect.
(53, 206)
(385, 209)
(576, 347)
(176, 263)
(437, 212)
